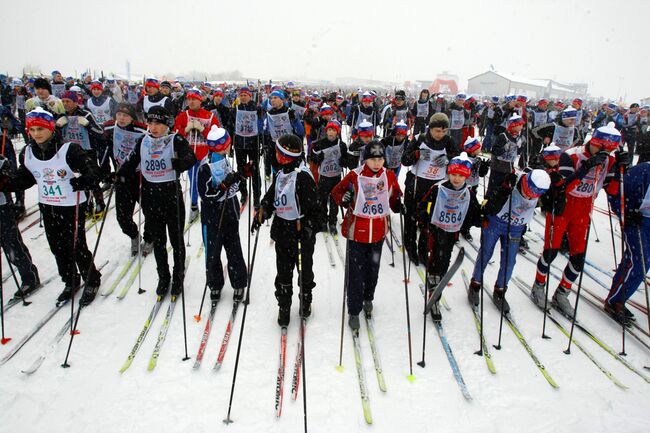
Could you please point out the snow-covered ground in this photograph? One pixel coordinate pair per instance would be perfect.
(92, 396)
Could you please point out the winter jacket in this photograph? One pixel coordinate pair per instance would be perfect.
(207, 120)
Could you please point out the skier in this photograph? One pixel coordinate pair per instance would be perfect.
(218, 185)
(369, 192)
(222, 112)
(398, 111)
(507, 212)
(44, 98)
(428, 157)
(636, 257)
(102, 106)
(632, 127)
(361, 112)
(422, 112)
(562, 131)
(445, 209)
(153, 98)
(328, 155)
(490, 118)
(585, 170)
(458, 116)
(609, 114)
(10, 126)
(194, 125)
(365, 135)
(280, 120)
(79, 126)
(121, 136)
(394, 147)
(248, 131)
(51, 163)
(505, 149)
(480, 168)
(293, 198)
(162, 156)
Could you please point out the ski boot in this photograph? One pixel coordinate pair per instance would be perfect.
(467, 235)
(238, 294)
(194, 213)
(413, 255)
(98, 211)
(177, 285)
(305, 309)
(147, 247)
(135, 246)
(523, 246)
(538, 294)
(19, 210)
(473, 293)
(215, 293)
(499, 299)
(560, 301)
(435, 312)
(26, 289)
(69, 290)
(333, 229)
(88, 295)
(353, 322)
(163, 286)
(617, 312)
(367, 309)
(284, 315)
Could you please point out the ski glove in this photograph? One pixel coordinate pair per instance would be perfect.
(5, 166)
(258, 219)
(61, 121)
(82, 183)
(176, 164)
(318, 157)
(230, 179)
(510, 181)
(398, 207)
(246, 170)
(597, 159)
(483, 167)
(347, 198)
(83, 121)
(623, 159)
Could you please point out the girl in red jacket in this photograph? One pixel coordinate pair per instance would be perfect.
(368, 192)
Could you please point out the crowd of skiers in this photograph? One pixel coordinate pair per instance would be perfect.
(86, 137)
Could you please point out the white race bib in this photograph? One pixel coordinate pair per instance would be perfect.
(372, 196)
(451, 208)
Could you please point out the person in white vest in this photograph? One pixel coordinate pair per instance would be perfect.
(445, 209)
(218, 186)
(121, 136)
(507, 210)
(293, 198)
(505, 149)
(394, 146)
(102, 106)
(562, 131)
(53, 164)
(154, 98)
(328, 155)
(458, 116)
(162, 156)
(248, 136)
(422, 111)
(428, 156)
(79, 126)
(44, 98)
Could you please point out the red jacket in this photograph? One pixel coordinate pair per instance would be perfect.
(358, 228)
(207, 119)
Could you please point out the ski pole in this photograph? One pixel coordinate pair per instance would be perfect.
(481, 261)
(505, 268)
(13, 275)
(181, 261)
(90, 268)
(622, 189)
(302, 319)
(548, 275)
(5, 339)
(645, 270)
(74, 266)
(140, 290)
(611, 232)
(345, 285)
(392, 243)
(425, 297)
(228, 420)
(595, 231)
(410, 377)
(195, 138)
(575, 308)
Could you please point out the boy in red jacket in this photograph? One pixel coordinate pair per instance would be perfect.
(369, 192)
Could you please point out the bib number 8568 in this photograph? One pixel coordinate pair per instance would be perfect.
(373, 209)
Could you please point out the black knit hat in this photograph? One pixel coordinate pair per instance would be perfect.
(289, 145)
(126, 108)
(158, 114)
(373, 149)
(42, 83)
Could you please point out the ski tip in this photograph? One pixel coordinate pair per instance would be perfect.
(197, 318)
(5, 340)
(410, 378)
(340, 368)
(159, 298)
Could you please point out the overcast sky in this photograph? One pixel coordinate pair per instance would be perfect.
(598, 42)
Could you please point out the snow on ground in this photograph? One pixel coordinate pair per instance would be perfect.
(92, 396)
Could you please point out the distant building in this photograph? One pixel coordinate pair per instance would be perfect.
(496, 83)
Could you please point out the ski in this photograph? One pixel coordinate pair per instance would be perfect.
(337, 244)
(515, 329)
(15, 301)
(361, 375)
(226, 336)
(162, 334)
(279, 387)
(143, 334)
(452, 360)
(477, 322)
(295, 380)
(330, 253)
(437, 292)
(522, 286)
(120, 276)
(55, 342)
(132, 277)
(204, 338)
(375, 353)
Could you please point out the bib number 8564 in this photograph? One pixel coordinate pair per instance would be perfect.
(448, 218)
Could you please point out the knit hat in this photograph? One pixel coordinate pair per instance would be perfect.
(158, 114)
(535, 183)
(166, 84)
(515, 120)
(71, 95)
(366, 129)
(218, 139)
(333, 124)
(495, 99)
(440, 97)
(510, 98)
(471, 145)
(559, 105)
(611, 105)
(606, 137)
(245, 89)
(551, 152)
(577, 101)
(366, 97)
(152, 82)
(542, 101)
(277, 94)
(326, 110)
(128, 109)
(42, 83)
(522, 98)
(460, 165)
(569, 113)
(96, 84)
(461, 96)
(439, 120)
(373, 150)
(39, 117)
(401, 128)
(288, 148)
(218, 92)
(194, 93)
